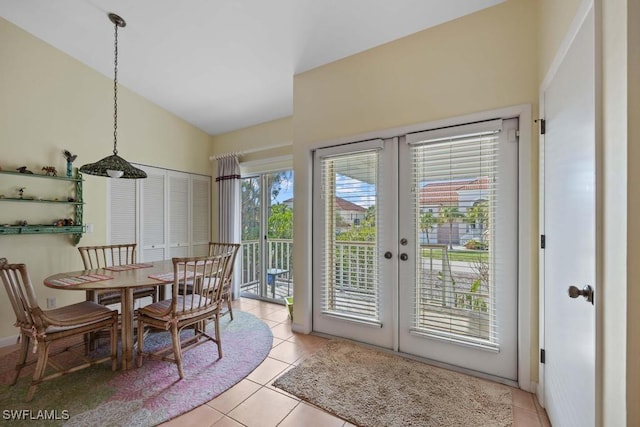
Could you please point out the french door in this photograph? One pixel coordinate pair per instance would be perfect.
(430, 267)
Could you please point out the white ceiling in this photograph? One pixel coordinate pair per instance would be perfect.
(223, 65)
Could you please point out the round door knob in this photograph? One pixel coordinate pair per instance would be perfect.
(586, 292)
(404, 257)
(388, 255)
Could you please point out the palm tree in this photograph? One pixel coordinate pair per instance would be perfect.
(449, 215)
(427, 221)
(479, 214)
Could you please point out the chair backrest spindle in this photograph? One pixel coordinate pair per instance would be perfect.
(94, 257)
(198, 283)
(21, 295)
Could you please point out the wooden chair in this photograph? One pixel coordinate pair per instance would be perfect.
(94, 257)
(217, 248)
(46, 327)
(191, 305)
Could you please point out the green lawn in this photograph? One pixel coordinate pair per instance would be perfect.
(466, 255)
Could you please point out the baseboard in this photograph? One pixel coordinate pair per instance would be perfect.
(540, 394)
(7, 341)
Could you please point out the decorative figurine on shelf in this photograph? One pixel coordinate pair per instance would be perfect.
(70, 158)
(21, 192)
(23, 169)
(50, 171)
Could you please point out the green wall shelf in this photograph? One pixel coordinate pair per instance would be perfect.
(75, 230)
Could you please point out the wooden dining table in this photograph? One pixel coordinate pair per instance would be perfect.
(123, 280)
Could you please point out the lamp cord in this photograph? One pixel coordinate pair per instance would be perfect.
(115, 93)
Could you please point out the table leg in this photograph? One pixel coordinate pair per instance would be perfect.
(273, 287)
(127, 328)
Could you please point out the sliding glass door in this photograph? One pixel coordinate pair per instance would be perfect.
(267, 236)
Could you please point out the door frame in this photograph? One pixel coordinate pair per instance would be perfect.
(527, 228)
(576, 24)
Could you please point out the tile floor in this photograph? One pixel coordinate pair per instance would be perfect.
(254, 402)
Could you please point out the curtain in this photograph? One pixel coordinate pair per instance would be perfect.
(229, 210)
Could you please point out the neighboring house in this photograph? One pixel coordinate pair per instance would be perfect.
(349, 214)
(461, 194)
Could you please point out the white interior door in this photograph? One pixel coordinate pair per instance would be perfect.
(458, 246)
(569, 229)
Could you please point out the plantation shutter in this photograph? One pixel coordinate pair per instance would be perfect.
(153, 221)
(455, 180)
(178, 214)
(349, 266)
(200, 214)
(122, 211)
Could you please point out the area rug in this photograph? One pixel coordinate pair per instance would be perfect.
(372, 388)
(144, 396)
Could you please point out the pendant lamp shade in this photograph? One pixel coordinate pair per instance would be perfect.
(114, 166)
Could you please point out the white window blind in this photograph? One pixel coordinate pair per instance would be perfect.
(349, 271)
(455, 178)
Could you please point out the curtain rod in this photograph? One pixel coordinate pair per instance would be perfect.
(249, 151)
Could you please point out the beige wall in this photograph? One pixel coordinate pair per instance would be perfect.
(52, 102)
(484, 61)
(555, 17)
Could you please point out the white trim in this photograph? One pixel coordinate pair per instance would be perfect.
(525, 230)
(525, 225)
(351, 148)
(463, 131)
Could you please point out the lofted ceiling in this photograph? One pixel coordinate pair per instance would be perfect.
(223, 65)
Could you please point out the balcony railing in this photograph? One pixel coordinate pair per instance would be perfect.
(279, 259)
(442, 285)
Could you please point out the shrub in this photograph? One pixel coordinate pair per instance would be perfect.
(474, 244)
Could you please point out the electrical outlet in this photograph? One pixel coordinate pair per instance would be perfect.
(51, 302)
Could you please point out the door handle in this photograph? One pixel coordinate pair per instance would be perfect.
(404, 257)
(388, 255)
(587, 292)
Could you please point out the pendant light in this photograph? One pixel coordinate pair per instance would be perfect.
(114, 166)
